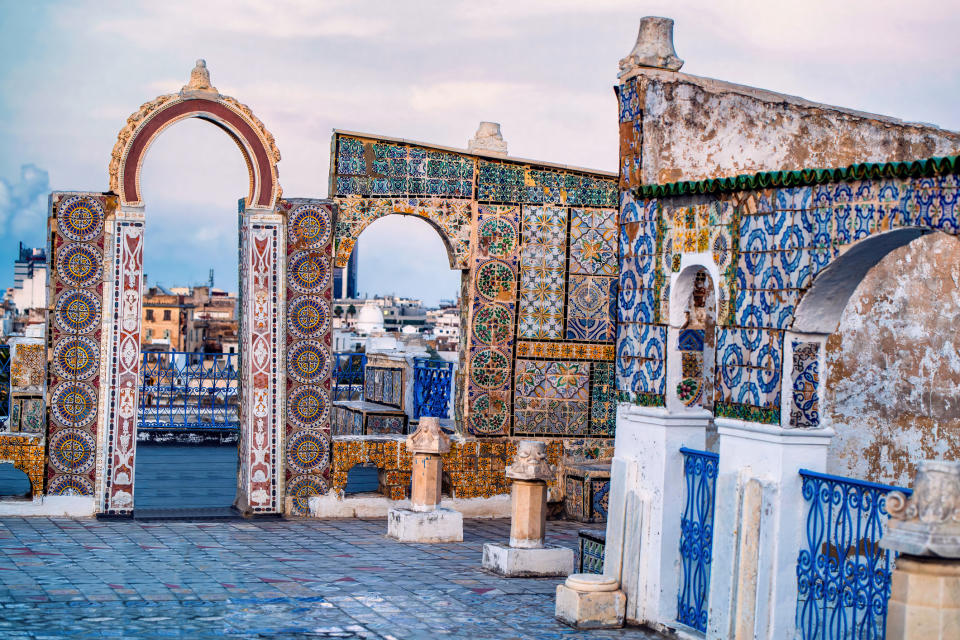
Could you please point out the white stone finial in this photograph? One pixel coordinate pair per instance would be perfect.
(654, 47)
(530, 462)
(488, 139)
(199, 80)
(428, 438)
(928, 522)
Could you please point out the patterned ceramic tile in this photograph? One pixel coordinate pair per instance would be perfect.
(542, 272)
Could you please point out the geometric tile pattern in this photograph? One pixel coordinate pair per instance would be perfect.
(497, 243)
(769, 245)
(552, 398)
(804, 401)
(76, 334)
(542, 272)
(307, 430)
(591, 308)
(593, 242)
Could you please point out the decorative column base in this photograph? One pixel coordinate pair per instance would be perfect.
(590, 601)
(439, 525)
(514, 562)
(924, 599)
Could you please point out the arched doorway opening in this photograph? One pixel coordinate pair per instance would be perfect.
(189, 423)
(405, 325)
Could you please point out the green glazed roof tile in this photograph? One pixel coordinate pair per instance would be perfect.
(765, 179)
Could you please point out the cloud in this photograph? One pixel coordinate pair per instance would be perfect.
(23, 203)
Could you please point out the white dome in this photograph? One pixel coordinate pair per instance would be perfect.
(370, 319)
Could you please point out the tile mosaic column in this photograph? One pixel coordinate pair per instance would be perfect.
(78, 338)
(309, 356)
(492, 320)
(122, 321)
(262, 257)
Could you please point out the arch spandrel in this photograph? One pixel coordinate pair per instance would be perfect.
(197, 99)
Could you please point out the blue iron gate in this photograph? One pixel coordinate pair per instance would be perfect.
(696, 536)
(181, 390)
(431, 387)
(4, 385)
(843, 575)
(348, 372)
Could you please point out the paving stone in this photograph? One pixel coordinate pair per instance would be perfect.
(63, 578)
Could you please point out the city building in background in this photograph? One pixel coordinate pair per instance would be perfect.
(190, 319)
(24, 303)
(345, 278)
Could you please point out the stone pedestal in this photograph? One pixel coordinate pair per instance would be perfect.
(527, 555)
(426, 481)
(924, 600)
(437, 525)
(925, 528)
(425, 521)
(590, 601)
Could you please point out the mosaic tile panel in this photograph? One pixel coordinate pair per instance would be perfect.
(28, 367)
(552, 398)
(543, 268)
(26, 454)
(593, 242)
(804, 401)
(769, 246)
(76, 289)
(497, 243)
(383, 385)
(603, 399)
(308, 349)
(591, 308)
(566, 350)
(527, 184)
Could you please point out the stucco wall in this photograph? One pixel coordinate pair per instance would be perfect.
(893, 369)
(695, 128)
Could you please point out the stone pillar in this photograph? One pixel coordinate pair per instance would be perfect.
(262, 379)
(753, 573)
(426, 520)
(527, 555)
(925, 528)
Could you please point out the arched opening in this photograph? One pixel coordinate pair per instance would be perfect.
(189, 422)
(891, 364)
(14, 483)
(405, 324)
(692, 336)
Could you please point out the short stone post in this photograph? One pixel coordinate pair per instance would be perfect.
(527, 555)
(426, 520)
(925, 529)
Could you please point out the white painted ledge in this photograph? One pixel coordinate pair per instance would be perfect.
(67, 506)
(371, 505)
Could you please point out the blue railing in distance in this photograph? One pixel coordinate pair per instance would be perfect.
(183, 390)
(4, 386)
(590, 547)
(432, 380)
(348, 375)
(696, 536)
(843, 575)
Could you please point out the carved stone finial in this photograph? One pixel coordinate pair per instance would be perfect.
(928, 522)
(531, 463)
(654, 47)
(199, 80)
(428, 438)
(488, 139)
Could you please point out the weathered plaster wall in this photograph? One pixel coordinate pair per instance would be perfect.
(893, 369)
(696, 128)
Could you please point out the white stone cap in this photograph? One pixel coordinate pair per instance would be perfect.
(591, 582)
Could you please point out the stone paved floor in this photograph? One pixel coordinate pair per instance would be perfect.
(63, 578)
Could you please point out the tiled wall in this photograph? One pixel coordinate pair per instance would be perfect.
(768, 246)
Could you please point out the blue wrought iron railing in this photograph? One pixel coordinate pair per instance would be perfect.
(843, 575)
(348, 372)
(4, 386)
(432, 380)
(590, 548)
(696, 536)
(181, 390)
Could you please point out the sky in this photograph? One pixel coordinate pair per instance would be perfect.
(72, 72)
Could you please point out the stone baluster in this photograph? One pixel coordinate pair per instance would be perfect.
(925, 529)
(527, 555)
(426, 520)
